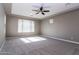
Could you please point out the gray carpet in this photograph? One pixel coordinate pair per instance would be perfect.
(38, 46)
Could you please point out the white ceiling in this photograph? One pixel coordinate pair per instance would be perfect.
(25, 9)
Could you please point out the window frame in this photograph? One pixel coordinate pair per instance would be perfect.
(32, 26)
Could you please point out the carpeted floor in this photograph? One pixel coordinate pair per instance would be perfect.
(38, 46)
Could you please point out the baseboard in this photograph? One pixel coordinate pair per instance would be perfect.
(61, 39)
(2, 45)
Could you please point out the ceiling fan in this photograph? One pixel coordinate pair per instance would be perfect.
(41, 10)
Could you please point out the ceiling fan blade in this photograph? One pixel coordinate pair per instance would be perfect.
(43, 13)
(46, 11)
(37, 13)
(41, 8)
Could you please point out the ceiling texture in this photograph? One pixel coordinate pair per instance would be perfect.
(25, 9)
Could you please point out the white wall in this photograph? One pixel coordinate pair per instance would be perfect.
(12, 27)
(2, 24)
(65, 26)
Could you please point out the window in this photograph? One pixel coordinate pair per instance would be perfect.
(25, 25)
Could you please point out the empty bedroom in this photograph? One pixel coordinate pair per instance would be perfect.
(39, 28)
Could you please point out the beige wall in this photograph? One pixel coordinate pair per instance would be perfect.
(65, 26)
(2, 24)
(12, 27)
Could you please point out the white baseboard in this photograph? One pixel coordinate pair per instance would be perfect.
(61, 39)
(2, 45)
